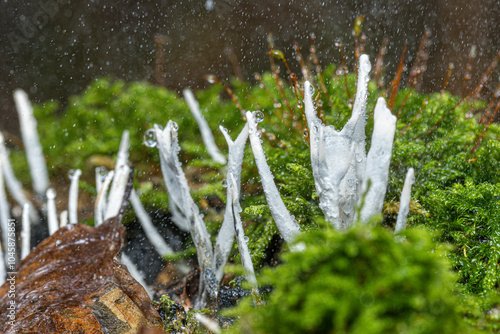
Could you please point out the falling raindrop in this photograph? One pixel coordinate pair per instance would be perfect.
(150, 138)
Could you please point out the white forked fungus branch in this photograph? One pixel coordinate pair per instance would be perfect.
(225, 238)
(211, 260)
(339, 155)
(341, 168)
(152, 234)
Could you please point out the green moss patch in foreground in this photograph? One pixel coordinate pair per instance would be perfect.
(361, 281)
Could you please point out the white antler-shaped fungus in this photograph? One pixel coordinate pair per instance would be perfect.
(341, 167)
(225, 238)
(287, 225)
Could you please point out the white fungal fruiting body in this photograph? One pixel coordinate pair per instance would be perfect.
(378, 161)
(183, 208)
(63, 218)
(404, 201)
(338, 157)
(12, 183)
(287, 225)
(25, 232)
(135, 273)
(3, 272)
(179, 195)
(4, 211)
(246, 259)
(117, 192)
(341, 167)
(34, 153)
(51, 211)
(151, 233)
(101, 201)
(209, 324)
(206, 133)
(147, 225)
(73, 196)
(225, 238)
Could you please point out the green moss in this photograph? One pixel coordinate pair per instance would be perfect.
(176, 319)
(468, 216)
(361, 281)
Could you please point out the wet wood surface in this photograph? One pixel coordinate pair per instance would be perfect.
(72, 282)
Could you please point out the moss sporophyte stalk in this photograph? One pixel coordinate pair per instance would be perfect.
(311, 195)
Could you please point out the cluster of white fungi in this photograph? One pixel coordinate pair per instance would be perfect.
(351, 183)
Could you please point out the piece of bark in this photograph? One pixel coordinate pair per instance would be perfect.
(73, 283)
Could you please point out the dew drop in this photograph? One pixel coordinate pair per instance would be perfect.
(311, 90)
(259, 116)
(175, 126)
(224, 183)
(150, 138)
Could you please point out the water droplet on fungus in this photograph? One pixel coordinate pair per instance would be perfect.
(259, 116)
(150, 138)
(175, 126)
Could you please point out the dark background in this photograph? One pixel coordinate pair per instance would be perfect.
(54, 48)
